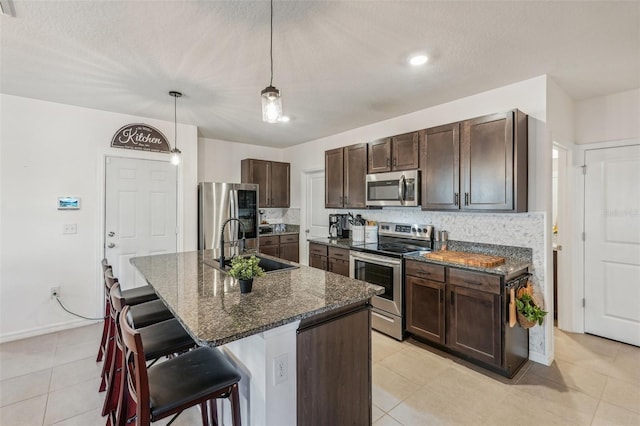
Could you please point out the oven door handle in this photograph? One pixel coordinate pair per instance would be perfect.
(376, 259)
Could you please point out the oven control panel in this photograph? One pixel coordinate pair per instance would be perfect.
(423, 232)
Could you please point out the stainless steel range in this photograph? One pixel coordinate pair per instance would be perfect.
(382, 263)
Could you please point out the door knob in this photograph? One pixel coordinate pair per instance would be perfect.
(111, 234)
(111, 245)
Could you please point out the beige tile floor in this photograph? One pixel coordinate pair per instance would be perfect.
(53, 380)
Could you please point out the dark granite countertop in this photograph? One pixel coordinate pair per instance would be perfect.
(209, 304)
(516, 258)
(335, 242)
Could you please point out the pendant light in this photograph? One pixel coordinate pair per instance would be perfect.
(175, 152)
(271, 100)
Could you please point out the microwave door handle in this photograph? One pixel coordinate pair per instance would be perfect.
(401, 189)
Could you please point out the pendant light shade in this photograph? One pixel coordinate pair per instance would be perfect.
(271, 99)
(271, 105)
(175, 152)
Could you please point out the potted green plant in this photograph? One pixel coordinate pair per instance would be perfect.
(245, 269)
(529, 311)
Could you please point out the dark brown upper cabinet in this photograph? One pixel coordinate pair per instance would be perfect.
(345, 177)
(396, 153)
(273, 178)
(477, 165)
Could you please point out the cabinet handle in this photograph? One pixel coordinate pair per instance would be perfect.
(472, 283)
(455, 198)
(395, 162)
(451, 298)
(466, 198)
(388, 162)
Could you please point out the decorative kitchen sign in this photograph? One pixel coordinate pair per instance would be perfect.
(141, 137)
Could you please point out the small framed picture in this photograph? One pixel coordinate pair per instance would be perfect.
(69, 203)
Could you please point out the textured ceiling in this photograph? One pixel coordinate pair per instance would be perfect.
(339, 64)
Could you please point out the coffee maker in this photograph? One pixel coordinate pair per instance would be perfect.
(339, 225)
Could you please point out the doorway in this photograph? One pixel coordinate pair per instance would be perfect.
(315, 219)
(612, 243)
(140, 213)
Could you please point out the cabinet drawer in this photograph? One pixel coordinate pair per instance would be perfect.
(318, 249)
(288, 239)
(272, 240)
(425, 270)
(475, 280)
(339, 253)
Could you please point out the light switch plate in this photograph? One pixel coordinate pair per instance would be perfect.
(70, 228)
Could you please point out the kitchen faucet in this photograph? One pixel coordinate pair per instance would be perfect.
(242, 246)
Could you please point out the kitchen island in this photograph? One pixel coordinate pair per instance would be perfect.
(294, 338)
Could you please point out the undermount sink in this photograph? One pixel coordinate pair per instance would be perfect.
(268, 265)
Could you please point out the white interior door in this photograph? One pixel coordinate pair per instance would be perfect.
(612, 243)
(316, 219)
(140, 213)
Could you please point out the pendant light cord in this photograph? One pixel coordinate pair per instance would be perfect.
(175, 122)
(271, 48)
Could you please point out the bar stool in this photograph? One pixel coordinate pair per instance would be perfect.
(144, 314)
(198, 377)
(134, 296)
(162, 339)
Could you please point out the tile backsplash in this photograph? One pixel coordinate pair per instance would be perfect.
(290, 215)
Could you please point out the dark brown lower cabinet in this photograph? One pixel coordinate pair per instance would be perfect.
(332, 259)
(425, 309)
(464, 312)
(474, 324)
(283, 246)
(334, 383)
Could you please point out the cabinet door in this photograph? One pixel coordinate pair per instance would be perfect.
(440, 176)
(404, 150)
(380, 156)
(270, 250)
(334, 178)
(317, 261)
(474, 327)
(355, 176)
(486, 155)
(334, 371)
(279, 185)
(426, 309)
(257, 171)
(290, 251)
(337, 266)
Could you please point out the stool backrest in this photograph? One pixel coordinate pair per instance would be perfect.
(135, 370)
(109, 279)
(105, 264)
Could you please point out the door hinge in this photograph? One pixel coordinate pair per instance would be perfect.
(584, 236)
(584, 169)
(583, 302)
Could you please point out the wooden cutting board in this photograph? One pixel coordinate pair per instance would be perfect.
(464, 258)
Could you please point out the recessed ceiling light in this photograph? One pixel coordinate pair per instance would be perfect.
(284, 119)
(417, 60)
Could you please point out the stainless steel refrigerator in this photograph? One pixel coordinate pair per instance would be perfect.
(218, 202)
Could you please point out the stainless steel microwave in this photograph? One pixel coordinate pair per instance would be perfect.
(394, 188)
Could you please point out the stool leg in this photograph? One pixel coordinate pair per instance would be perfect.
(113, 382)
(235, 405)
(106, 366)
(213, 410)
(205, 413)
(105, 333)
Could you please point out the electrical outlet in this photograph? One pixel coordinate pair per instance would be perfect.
(70, 228)
(54, 292)
(280, 369)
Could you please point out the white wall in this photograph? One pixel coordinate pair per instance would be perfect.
(529, 96)
(49, 150)
(608, 118)
(219, 161)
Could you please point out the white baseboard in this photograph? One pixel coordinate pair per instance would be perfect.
(23, 334)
